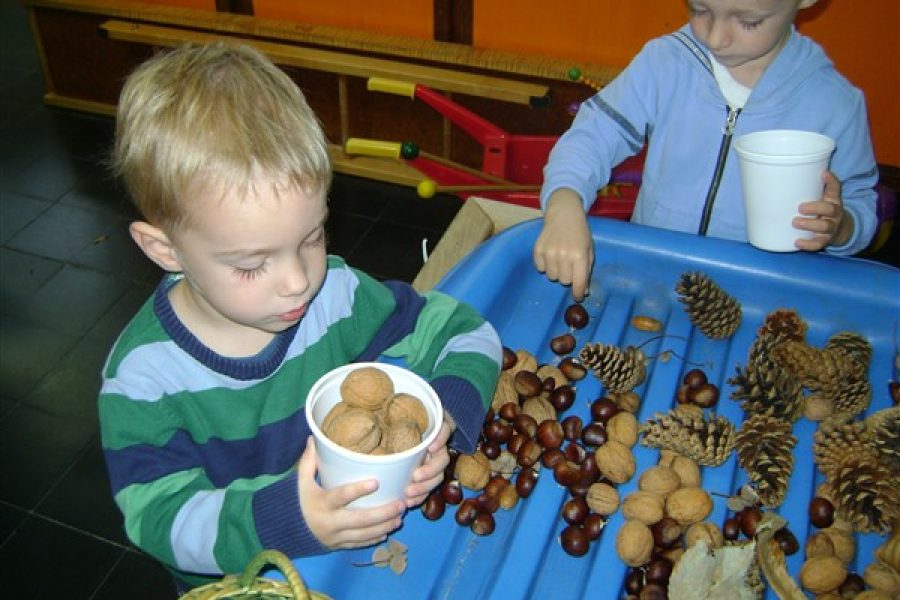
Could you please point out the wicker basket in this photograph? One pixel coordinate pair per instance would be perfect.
(248, 585)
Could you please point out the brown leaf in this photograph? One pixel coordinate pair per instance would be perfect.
(398, 564)
(381, 557)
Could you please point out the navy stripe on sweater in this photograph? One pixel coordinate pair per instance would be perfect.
(399, 324)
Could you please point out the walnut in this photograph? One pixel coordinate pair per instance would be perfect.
(336, 410)
(623, 427)
(688, 505)
(706, 531)
(505, 391)
(615, 461)
(355, 429)
(819, 544)
(667, 457)
(843, 542)
(366, 387)
(688, 471)
(872, 595)
(406, 406)
(882, 577)
(602, 498)
(539, 409)
(659, 480)
(822, 574)
(473, 471)
(642, 506)
(634, 543)
(525, 361)
(628, 401)
(554, 373)
(402, 434)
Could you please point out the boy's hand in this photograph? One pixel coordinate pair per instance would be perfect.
(327, 515)
(826, 218)
(431, 473)
(565, 248)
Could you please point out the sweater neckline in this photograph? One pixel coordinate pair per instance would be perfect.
(243, 368)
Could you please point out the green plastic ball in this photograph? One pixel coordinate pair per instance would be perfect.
(409, 150)
(574, 73)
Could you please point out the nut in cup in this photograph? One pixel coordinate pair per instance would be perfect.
(338, 465)
(780, 169)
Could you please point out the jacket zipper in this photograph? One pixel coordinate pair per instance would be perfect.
(727, 131)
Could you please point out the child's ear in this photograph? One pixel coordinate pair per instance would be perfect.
(807, 3)
(155, 244)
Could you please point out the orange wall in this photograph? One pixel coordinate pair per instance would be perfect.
(862, 37)
(398, 17)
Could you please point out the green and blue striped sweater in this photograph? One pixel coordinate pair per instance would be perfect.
(202, 449)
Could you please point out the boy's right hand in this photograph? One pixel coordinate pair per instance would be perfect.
(565, 248)
(328, 517)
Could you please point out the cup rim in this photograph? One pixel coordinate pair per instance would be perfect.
(741, 142)
(376, 459)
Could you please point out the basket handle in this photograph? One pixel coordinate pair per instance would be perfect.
(284, 564)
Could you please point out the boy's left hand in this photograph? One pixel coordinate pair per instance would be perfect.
(826, 218)
(431, 473)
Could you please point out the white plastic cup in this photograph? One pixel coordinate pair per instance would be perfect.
(780, 169)
(338, 465)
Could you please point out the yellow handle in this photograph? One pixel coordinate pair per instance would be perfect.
(391, 86)
(367, 147)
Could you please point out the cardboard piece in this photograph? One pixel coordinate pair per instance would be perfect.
(477, 220)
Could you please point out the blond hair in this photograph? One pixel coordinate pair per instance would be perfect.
(219, 112)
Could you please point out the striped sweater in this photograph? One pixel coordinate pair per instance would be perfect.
(202, 449)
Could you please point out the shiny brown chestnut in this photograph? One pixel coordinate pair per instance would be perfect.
(821, 512)
(634, 581)
(490, 449)
(498, 431)
(525, 482)
(466, 512)
(451, 492)
(694, 378)
(574, 540)
(487, 503)
(575, 510)
(602, 409)
(527, 384)
(563, 344)
(576, 316)
(550, 434)
(658, 571)
(515, 442)
(593, 525)
(575, 452)
(572, 426)
(594, 435)
(666, 532)
(572, 369)
(653, 591)
(787, 541)
(496, 485)
(483, 524)
(509, 358)
(434, 506)
(528, 454)
(566, 473)
(750, 518)
(731, 529)
(550, 458)
(525, 425)
(509, 411)
(562, 398)
(704, 395)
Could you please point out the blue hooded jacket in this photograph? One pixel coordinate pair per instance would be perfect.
(668, 98)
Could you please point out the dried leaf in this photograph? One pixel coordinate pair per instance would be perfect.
(398, 564)
(771, 559)
(381, 557)
(396, 548)
(718, 575)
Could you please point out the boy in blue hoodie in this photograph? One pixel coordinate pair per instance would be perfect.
(739, 66)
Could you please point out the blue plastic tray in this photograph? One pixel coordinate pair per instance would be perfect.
(635, 274)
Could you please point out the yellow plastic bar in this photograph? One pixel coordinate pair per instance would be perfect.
(367, 147)
(391, 86)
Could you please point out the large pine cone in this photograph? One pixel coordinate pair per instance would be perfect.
(706, 442)
(864, 494)
(854, 345)
(838, 438)
(765, 449)
(783, 324)
(764, 387)
(708, 306)
(618, 371)
(850, 397)
(884, 427)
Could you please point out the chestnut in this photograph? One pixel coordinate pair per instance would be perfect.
(634, 581)
(653, 591)
(704, 395)
(490, 449)
(550, 458)
(574, 540)
(566, 473)
(590, 472)
(602, 409)
(525, 425)
(509, 411)
(498, 431)
(572, 369)
(550, 434)
(575, 452)
(487, 503)
(528, 454)
(548, 384)
(509, 358)
(562, 398)
(666, 532)
(731, 529)
(576, 316)
(525, 482)
(563, 344)
(451, 492)
(681, 395)
(594, 435)
(433, 507)
(853, 585)
(496, 485)
(821, 512)
(571, 426)
(466, 512)
(527, 384)
(593, 525)
(659, 571)
(787, 541)
(694, 378)
(515, 442)
(483, 524)
(750, 518)
(508, 497)
(575, 511)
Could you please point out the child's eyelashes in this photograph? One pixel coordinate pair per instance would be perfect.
(750, 25)
(251, 273)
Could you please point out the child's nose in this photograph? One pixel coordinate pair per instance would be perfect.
(295, 280)
(719, 34)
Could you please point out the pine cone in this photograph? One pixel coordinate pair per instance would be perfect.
(706, 442)
(618, 371)
(783, 324)
(765, 448)
(884, 427)
(864, 494)
(855, 345)
(763, 386)
(837, 438)
(816, 369)
(708, 306)
(850, 397)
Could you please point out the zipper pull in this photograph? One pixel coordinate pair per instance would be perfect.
(730, 121)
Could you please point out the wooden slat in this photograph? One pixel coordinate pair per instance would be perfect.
(482, 86)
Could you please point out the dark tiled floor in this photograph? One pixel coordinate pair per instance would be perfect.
(70, 278)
